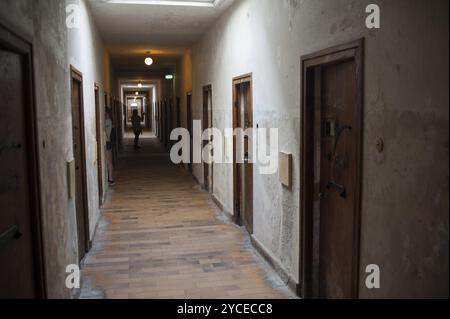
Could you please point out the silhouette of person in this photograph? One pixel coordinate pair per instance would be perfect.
(110, 140)
(136, 121)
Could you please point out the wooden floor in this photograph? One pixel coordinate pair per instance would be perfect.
(160, 238)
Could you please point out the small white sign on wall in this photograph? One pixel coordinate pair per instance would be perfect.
(285, 169)
(71, 179)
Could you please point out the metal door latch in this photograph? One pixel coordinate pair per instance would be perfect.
(341, 189)
(10, 234)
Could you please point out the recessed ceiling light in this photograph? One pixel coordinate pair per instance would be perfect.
(169, 77)
(139, 85)
(137, 93)
(183, 3)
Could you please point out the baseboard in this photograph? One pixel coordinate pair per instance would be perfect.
(221, 207)
(276, 266)
(195, 179)
(218, 203)
(94, 233)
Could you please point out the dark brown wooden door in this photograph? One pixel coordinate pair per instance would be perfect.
(158, 107)
(80, 160)
(164, 109)
(161, 121)
(332, 147)
(338, 160)
(169, 122)
(190, 129)
(19, 277)
(243, 172)
(98, 127)
(207, 124)
(157, 119)
(178, 110)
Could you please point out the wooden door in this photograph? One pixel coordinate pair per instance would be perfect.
(80, 163)
(161, 121)
(207, 124)
(333, 104)
(190, 129)
(158, 120)
(98, 128)
(119, 123)
(166, 123)
(169, 122)
(21, 265)
(178, 110)
(243, 172)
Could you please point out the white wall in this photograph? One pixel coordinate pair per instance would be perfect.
(86, 53)
(43, 22)
(405, 189)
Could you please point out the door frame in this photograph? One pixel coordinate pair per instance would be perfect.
(341, 53)
(207, 89)
(246, 78)
(23, 45)
(78, 76)
(98, 129)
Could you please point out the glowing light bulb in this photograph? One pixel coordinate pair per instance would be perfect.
(149, 61)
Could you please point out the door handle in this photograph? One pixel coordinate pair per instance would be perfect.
(341, 189)
(12, 233)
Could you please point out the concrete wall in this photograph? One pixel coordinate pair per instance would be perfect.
(405, 189)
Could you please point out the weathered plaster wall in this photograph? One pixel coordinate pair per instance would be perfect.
(183, 83)
(44, 21)
(405, 189)
(87, 54)
(108, 72)
(55, 49)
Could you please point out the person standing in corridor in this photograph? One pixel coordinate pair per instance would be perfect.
(136, 120)
(110, 139)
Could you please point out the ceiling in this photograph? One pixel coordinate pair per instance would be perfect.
(131, 30)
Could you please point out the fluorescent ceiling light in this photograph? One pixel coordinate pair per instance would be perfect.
(169, 77)
(183, 3)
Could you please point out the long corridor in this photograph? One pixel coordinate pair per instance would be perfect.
(162, 237)
(320, 126)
